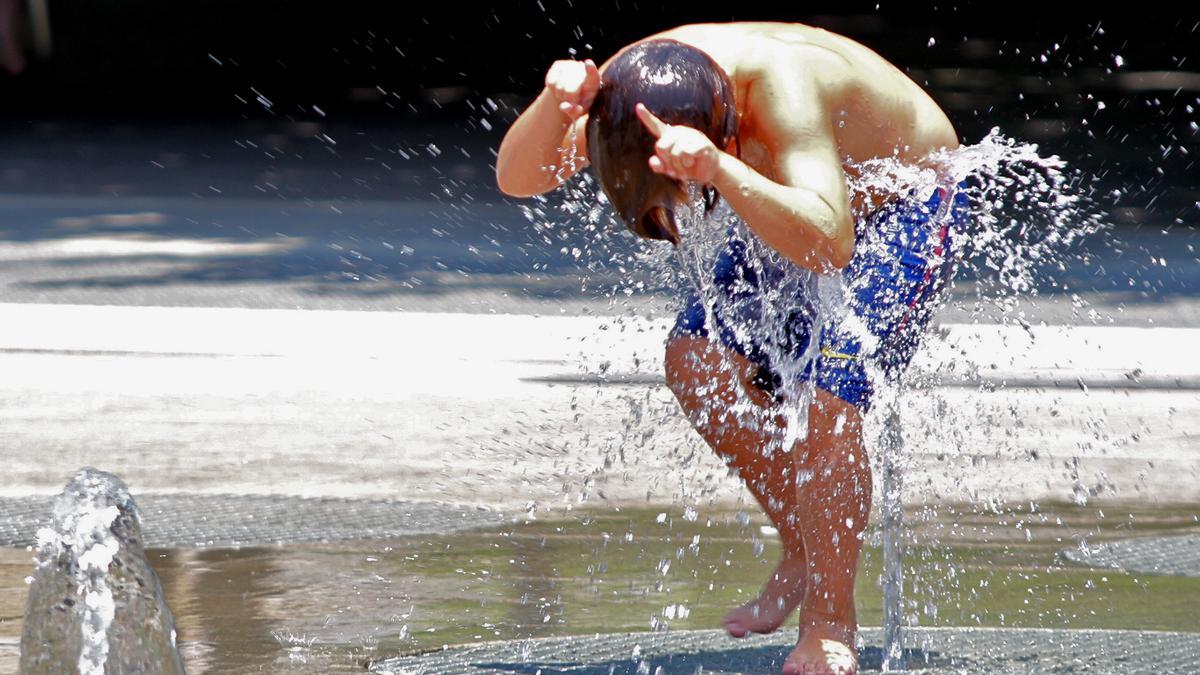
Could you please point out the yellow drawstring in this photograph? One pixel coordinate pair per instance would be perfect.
(830, 354)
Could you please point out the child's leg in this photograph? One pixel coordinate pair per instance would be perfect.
(834, 503)
(708, 382)
(820, 524)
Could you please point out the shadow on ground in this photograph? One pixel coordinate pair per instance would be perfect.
(748, 660)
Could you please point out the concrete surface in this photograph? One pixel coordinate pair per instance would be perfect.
(933, 650)
(524, 412)
(1179, 556)
(187, 521)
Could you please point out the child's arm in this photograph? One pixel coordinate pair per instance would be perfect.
(806, 214)
(535, 156)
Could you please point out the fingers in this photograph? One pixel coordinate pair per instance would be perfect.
(574, 85)
(665, 159)
(684, 154)
(668, 165)
(591, 83)
(572, 110)
(653, 124)
(680, 152)
(657, 165)
(564, 79)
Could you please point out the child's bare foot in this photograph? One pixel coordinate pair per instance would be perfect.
(783, 592)
(825, 648)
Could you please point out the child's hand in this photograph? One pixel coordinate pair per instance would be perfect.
(683, 153)
(574, 85)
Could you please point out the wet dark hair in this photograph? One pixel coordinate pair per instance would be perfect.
(680, 85)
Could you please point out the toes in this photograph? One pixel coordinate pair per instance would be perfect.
(800, 667)
(827, 657)
(735, 626)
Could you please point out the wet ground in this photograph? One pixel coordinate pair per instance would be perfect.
(935, 651)
(390, 218)
(312, 608)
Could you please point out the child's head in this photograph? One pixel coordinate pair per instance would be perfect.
(680, 85)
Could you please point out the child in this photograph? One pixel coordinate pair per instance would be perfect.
(770, 117)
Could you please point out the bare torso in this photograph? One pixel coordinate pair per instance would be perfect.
(873, 109)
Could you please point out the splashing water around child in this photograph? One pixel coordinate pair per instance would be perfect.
(1022, 216)
(1014, 217)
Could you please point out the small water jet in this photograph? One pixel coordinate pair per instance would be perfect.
(95, 605)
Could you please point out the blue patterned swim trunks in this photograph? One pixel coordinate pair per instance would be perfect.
(892, 288)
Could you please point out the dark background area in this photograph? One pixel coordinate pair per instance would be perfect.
(145, 56)
(1117, 92)
(361, 133)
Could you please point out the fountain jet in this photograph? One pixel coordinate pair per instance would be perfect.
(95, 605)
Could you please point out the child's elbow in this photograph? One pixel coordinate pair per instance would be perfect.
(515, 180)
(505, 180)
(840, 253)
(839, 245)
(512, 184)
(508, 186)
(509, 177)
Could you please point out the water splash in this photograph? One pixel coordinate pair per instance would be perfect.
(1025, 217)
(95, 605)
(766, 315)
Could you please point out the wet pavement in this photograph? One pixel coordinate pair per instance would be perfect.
(945, 650)
(191, 520)
(255, 338)
(570, 590)
(548, 414)
(368, 228)
(1153, 555)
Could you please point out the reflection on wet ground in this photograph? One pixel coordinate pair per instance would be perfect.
(334, 608)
